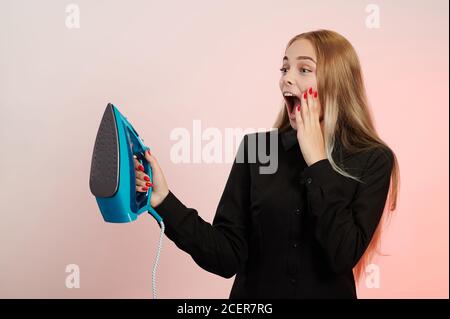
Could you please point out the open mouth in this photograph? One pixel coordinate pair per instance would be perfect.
(291, 102)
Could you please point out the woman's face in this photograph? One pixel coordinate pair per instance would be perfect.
(298, 74)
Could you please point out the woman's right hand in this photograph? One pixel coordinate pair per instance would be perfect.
(143, 182)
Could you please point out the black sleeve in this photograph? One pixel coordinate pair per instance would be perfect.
(344, 225)
(220, 247)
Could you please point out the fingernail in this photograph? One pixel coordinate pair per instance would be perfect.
(148, 151)
(145, 188)
(147, 178)
(298, 108)
(148, 184)
(304, 95)
(310, 91)
(141, 168)
(315, 94)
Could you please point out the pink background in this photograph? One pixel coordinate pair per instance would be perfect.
(166, 63)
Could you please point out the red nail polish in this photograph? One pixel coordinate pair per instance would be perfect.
(304, 95)
(144, 188)
(310, 91)
(141, 168)
(298, 108)
(148, 184)
(148, 151)
(146, 178)
(315, 94)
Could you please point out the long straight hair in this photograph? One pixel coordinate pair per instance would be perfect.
(347, 116)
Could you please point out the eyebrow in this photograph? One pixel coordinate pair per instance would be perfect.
(300, 57)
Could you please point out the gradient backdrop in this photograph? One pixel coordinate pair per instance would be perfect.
(167, 63)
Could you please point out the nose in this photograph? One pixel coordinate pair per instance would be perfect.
(287, 80)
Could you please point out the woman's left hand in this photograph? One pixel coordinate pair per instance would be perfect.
(309, 132)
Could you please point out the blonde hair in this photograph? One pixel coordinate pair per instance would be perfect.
(347, 116)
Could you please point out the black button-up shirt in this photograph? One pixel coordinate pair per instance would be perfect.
(295, 233)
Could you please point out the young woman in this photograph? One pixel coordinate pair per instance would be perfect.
(310, 228)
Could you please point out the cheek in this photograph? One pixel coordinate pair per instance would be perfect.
(305, 84)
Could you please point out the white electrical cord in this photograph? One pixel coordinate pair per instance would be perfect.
(158, 253)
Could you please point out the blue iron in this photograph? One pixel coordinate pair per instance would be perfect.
(113, 179)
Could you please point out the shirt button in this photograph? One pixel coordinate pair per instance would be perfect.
(308, 180)
(293, 281)
(297, 211)
(295, 245)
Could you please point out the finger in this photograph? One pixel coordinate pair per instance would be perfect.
(305, 109)
(141, 189)
(311, 109)
(142, 183)
(298, 116)
(142, 176)
(137, 165)
(140, 172)
(316, 106)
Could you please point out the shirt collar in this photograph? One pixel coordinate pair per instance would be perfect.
(289, 140)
